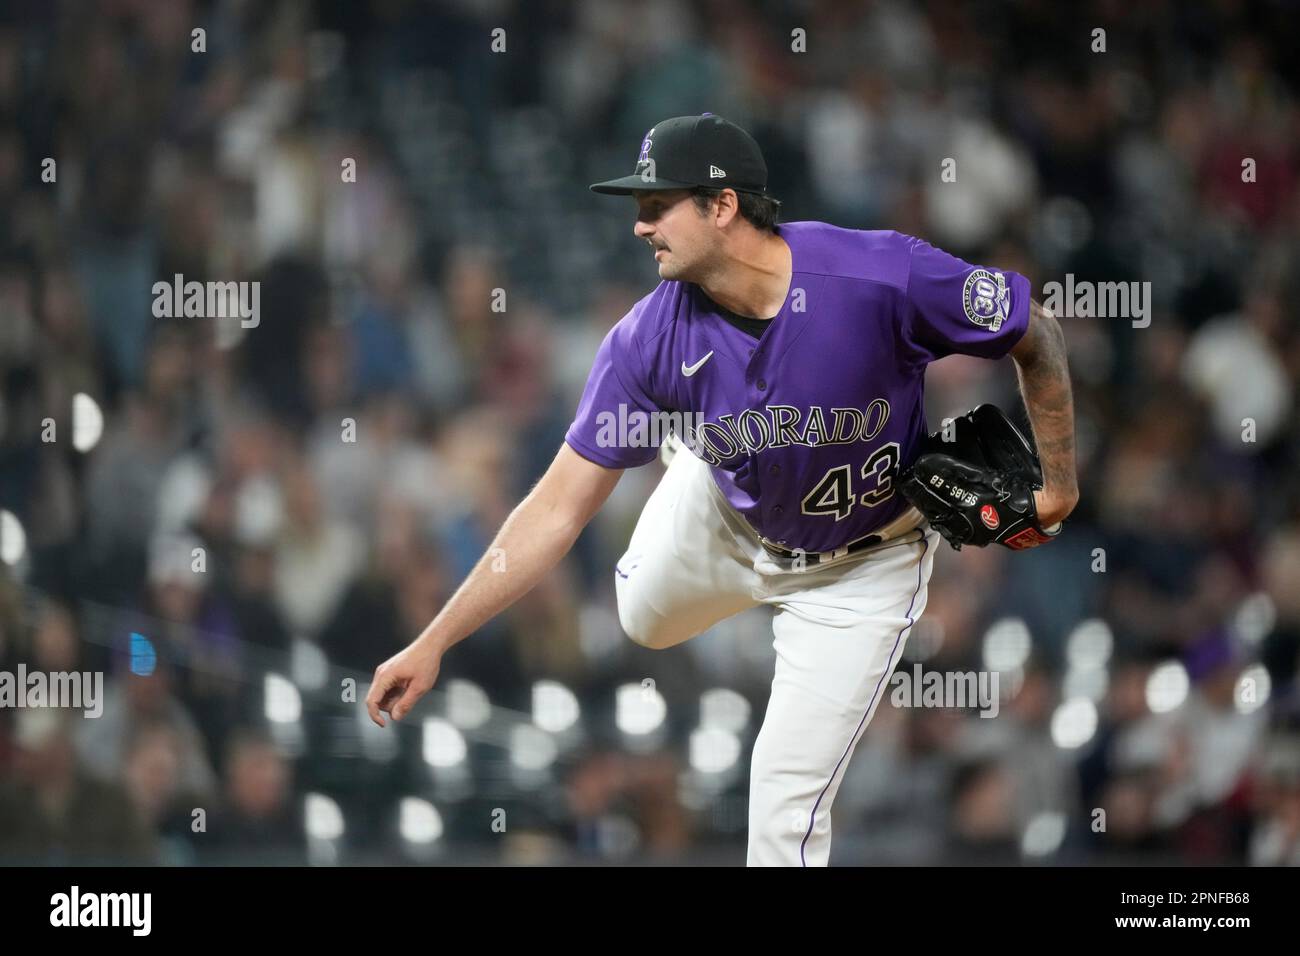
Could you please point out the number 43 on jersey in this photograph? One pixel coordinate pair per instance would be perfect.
(833, 494)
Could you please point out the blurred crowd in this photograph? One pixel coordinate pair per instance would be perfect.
(233, 523)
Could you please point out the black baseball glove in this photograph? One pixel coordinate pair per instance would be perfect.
(978, 487)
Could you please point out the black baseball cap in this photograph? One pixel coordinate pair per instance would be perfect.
(689, 151)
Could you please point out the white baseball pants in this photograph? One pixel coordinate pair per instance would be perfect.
(839, 631)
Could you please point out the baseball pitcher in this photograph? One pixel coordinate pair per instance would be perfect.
(804, 478)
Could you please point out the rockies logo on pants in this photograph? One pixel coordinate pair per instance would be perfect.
(839, 631)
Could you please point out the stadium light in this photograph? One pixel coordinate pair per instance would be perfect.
(13, 539)
(1255, 617)
(282, 702)
(87, 422)
(714, 750)
(323, 817)
(639, 709)
(419, 822)
(1073, 723)
(531, 748)
(1254, 688)
(1089, 644)
(1006, 644)
(308, 664)
(1167, 687)
(443, 744)
(468, 706)
(555, 707)
(1044, 834)
(723, 709)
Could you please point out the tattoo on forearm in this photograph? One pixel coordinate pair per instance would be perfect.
(1045, 384)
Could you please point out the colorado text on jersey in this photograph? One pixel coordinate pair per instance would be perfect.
(780, 426)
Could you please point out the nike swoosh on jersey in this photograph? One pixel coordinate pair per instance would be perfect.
(689, 370)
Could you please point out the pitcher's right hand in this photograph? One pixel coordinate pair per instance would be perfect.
(402, 680)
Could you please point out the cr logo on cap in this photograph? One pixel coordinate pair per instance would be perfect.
(645, 146)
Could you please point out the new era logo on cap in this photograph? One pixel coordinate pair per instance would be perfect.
(689, 151)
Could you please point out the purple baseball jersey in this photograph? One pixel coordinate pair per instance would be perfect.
(807, 427)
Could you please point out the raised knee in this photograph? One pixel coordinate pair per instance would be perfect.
(648, 630)
(647, 627)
